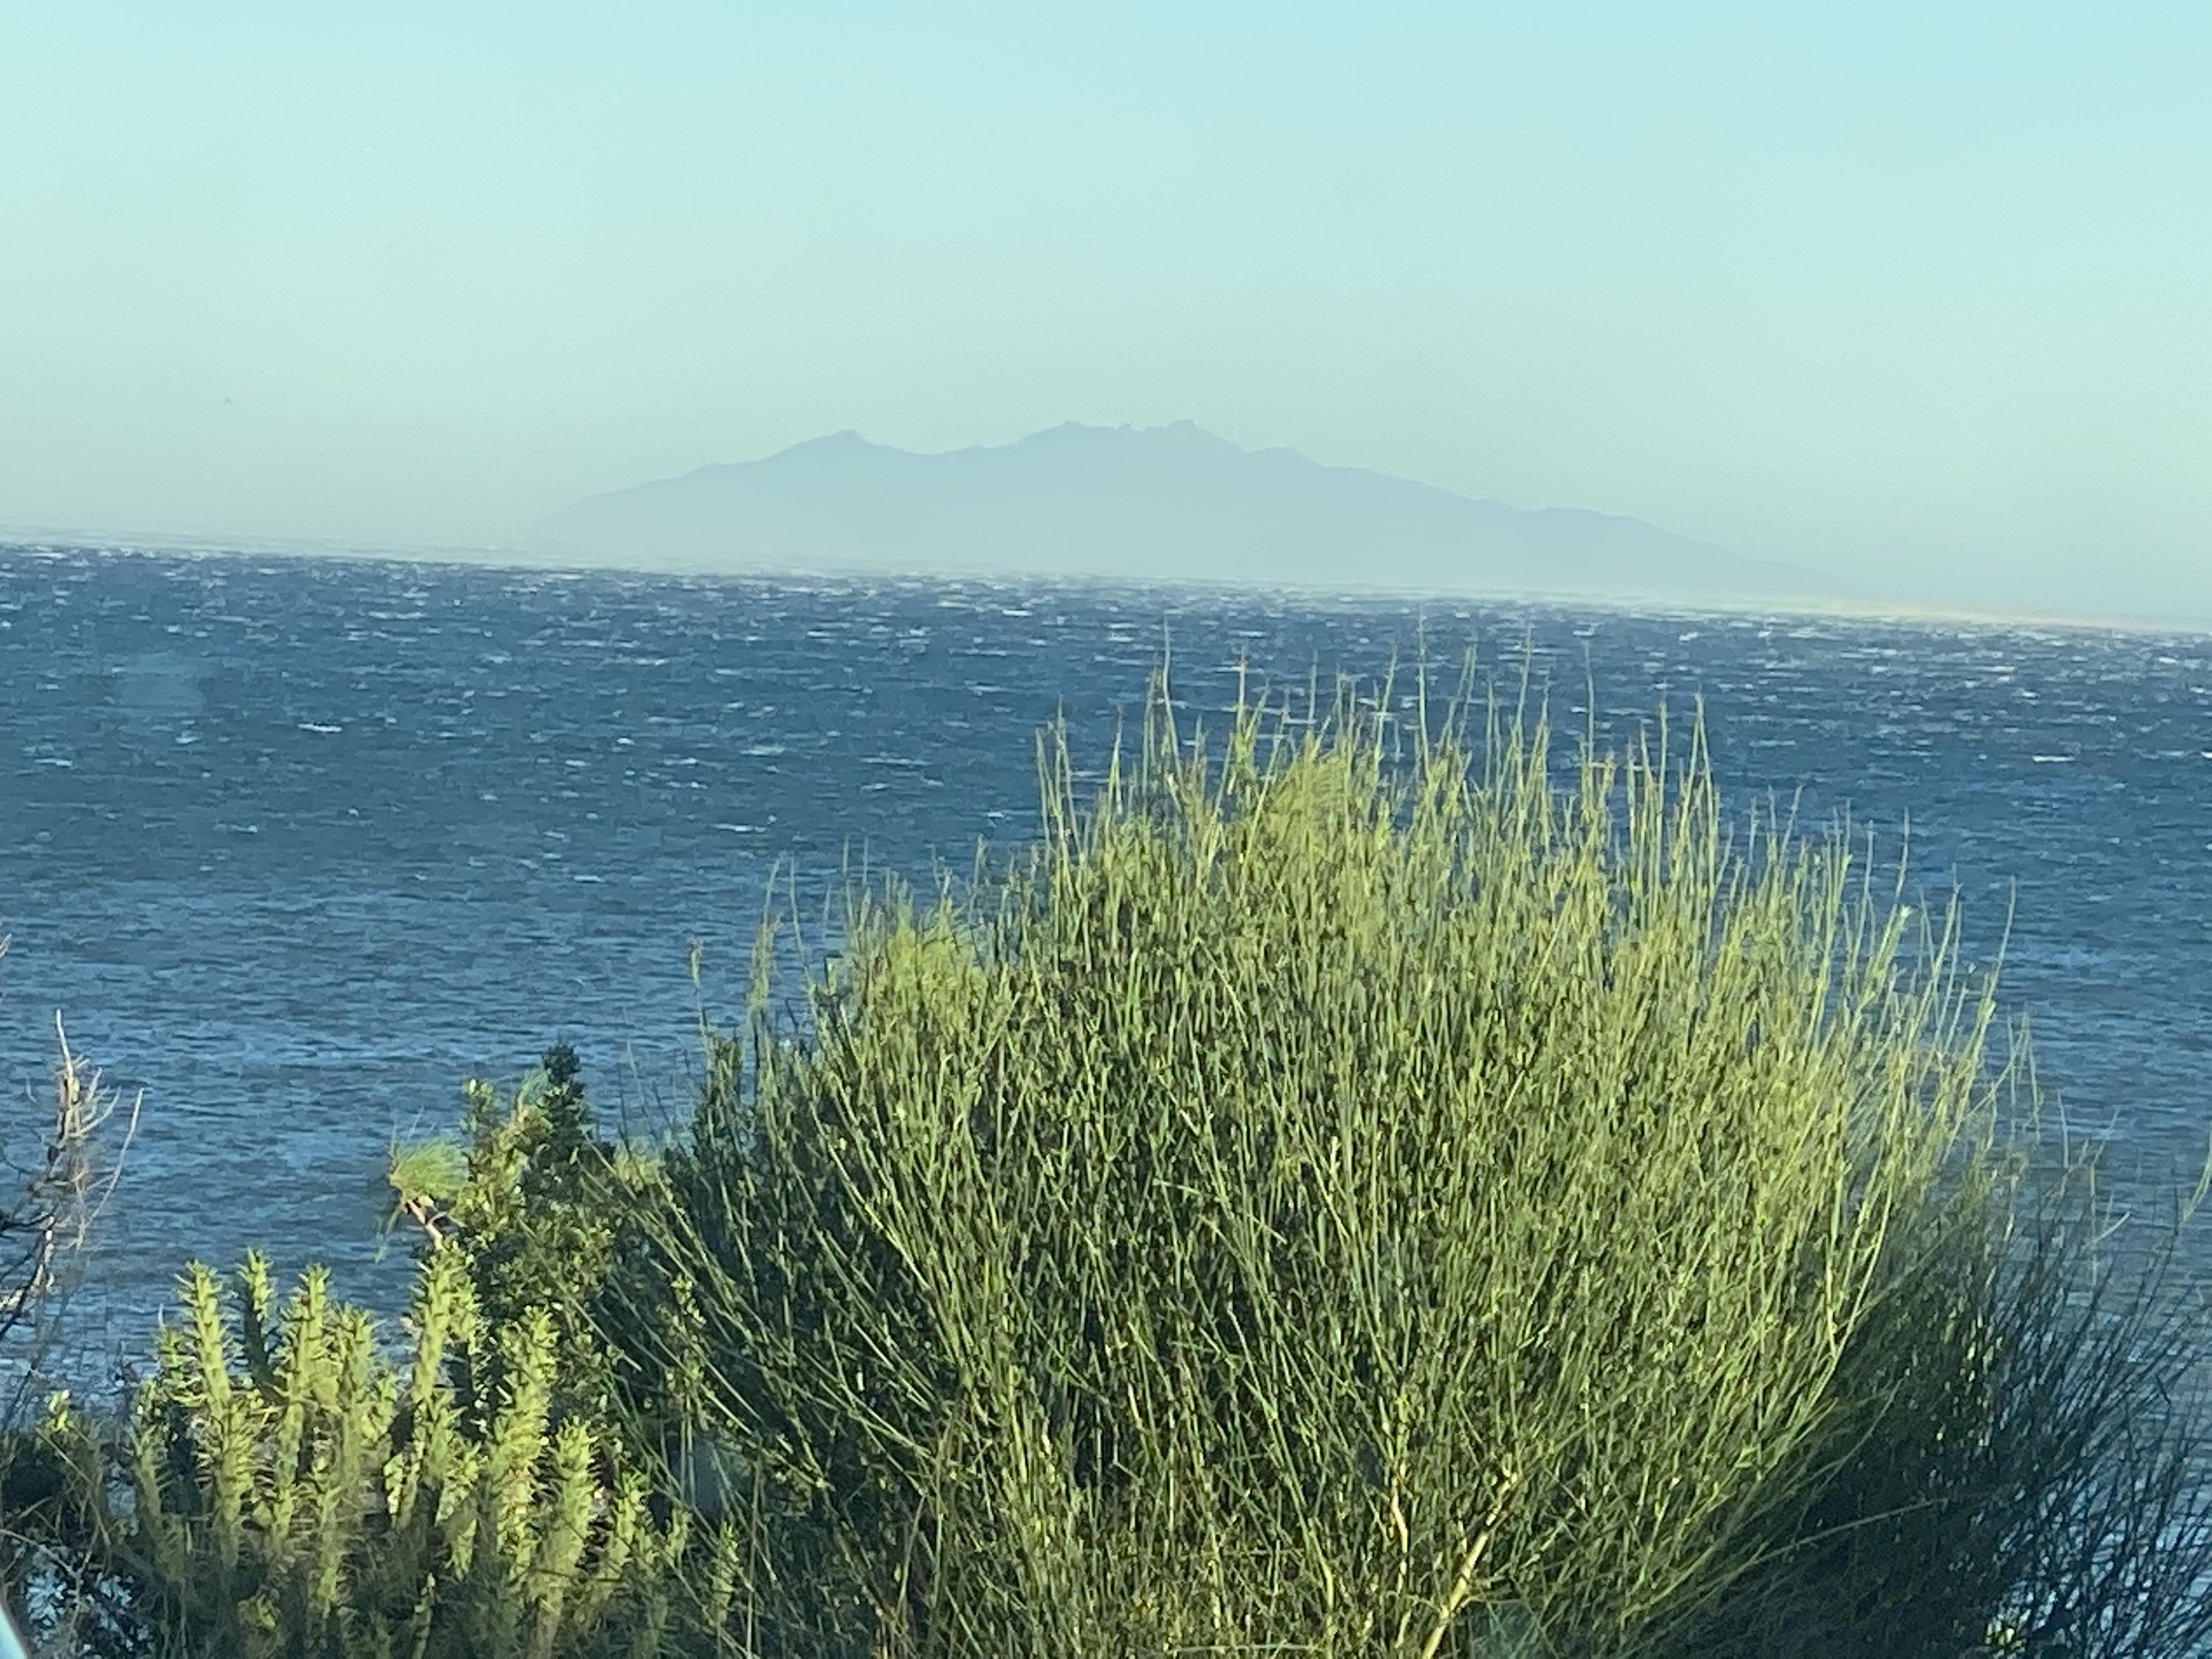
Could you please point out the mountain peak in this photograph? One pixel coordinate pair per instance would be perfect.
(1175, 432)
(830, 443)
(1160, 502)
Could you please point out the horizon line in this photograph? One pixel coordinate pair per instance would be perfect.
(511, 556)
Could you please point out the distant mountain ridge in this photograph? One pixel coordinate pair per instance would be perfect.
(1171, 502)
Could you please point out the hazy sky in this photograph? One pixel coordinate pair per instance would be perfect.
(1921, 291)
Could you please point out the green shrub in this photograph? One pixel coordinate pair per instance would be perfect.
(545, 1215)
(1341, 1200)
(289, 1490)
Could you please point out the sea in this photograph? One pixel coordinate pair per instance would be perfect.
(292, 846)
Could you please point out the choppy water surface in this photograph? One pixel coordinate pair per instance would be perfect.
(296, 845)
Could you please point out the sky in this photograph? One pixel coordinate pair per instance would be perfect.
(1918, 293)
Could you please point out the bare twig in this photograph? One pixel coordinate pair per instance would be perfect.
(46, 1226)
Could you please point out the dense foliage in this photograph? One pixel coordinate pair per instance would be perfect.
(293, 1492)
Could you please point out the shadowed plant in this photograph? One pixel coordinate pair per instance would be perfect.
(2022, 1464)
(545, 1216)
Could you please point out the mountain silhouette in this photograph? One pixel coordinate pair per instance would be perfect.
(1171, 502)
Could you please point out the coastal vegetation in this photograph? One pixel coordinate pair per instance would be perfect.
(1362, 1184)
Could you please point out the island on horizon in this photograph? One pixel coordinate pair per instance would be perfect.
(1171, 503)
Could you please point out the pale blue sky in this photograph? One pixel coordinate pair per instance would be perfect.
(1921, 291)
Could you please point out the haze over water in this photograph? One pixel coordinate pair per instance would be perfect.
(296, 846)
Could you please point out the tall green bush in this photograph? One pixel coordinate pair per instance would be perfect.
(1339, 1198)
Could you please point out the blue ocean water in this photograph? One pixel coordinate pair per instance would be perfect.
(296, 845)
